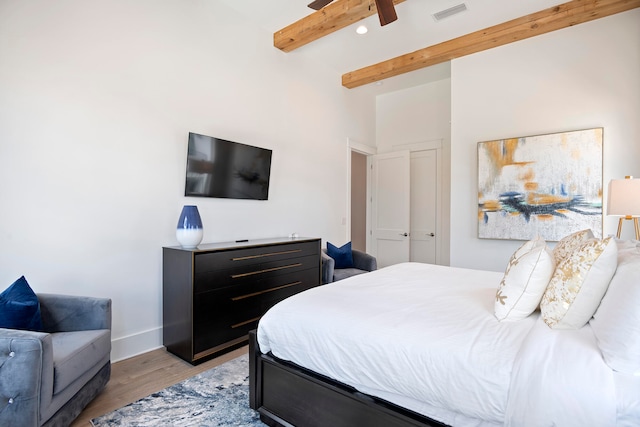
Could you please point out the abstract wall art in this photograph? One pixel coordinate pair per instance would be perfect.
(543, 185)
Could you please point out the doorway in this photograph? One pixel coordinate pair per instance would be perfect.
(405, 206)
(358, 201)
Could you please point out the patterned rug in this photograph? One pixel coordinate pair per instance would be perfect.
(217, 397)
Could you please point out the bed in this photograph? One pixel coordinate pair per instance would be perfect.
(418, 345)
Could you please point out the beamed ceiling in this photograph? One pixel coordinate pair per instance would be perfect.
(416, 40)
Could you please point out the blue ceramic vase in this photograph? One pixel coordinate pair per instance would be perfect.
(189, 232)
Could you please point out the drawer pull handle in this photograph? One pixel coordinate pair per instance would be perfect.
(242, 258)
(237, 325)
(277, 288)
(266, 270)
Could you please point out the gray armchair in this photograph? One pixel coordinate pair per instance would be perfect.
(362, 263)
(47, 378)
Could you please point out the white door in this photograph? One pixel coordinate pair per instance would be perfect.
(424, 203)
(390, 201)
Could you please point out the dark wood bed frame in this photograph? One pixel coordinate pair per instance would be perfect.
(288, 395)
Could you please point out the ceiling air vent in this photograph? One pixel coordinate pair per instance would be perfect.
(449, 12)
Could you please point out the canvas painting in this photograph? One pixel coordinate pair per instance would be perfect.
(545, 185)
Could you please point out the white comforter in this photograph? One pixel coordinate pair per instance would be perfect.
(424, 337)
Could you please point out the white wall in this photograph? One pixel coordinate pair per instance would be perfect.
(419, 115)
(576, 78)
(96, 101)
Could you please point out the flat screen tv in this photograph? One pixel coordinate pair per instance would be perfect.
(226, 169)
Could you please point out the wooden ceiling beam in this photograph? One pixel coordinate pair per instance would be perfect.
(333, 17)
(551, 19)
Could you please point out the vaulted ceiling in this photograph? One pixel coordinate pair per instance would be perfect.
(407, 52)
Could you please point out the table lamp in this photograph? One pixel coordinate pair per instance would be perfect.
(624, 201)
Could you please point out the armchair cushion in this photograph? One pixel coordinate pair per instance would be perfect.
(19, 307)
(75, 353)
(343, 273)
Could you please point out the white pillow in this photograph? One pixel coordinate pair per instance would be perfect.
(568, 244)
(616, 323)
(578, 284)
(625, 244)
(524, 281)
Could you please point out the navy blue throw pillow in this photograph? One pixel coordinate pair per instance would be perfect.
(341, 255)
(19, 307)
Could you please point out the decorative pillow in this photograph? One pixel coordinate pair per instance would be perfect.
(570, 243)
(525, 279)
(19, 307)
(616, 323)
(624, 245)
(341, 255)
(578, 284)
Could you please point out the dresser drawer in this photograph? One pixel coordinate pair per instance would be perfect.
(210, 336)
(227, 312)
(211, 280)
(239, 258)
(237, 303)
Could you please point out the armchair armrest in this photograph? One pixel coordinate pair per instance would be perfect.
(364, 261)
(26, 376)
(66, 313)
(328, 264)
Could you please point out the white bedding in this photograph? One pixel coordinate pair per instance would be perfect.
(424, 337)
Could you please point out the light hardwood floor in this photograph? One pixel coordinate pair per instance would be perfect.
(139, 376)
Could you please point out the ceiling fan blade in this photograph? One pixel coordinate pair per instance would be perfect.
(319, 4)
(386, 11)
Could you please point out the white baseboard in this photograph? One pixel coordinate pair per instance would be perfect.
(133, 345)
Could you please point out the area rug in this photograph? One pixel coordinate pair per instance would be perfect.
(217, 397)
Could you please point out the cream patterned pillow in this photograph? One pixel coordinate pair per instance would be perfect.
(525, 279)
(578, 284)
(570, 243)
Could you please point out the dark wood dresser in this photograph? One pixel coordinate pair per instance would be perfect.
(215, 294)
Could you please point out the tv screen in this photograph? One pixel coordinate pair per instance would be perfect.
(226, 169)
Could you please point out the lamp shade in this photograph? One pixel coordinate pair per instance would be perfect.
(624, 197)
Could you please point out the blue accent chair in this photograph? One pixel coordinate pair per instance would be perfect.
(47, 378)
(362, 263)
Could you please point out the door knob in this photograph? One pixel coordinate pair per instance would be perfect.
(404, 234)
(431, 234)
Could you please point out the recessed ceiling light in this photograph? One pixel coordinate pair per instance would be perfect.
(362, 29)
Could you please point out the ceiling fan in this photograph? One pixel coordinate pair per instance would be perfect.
(386, 9)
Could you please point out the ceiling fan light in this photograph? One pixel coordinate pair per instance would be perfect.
(362, 29)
